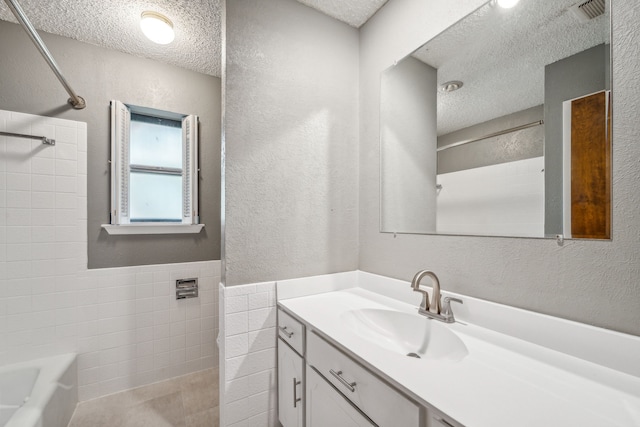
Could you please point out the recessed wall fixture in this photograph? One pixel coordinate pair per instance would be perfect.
(451, 86)
(506, 4)
(157, 27)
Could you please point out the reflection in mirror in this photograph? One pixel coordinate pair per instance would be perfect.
(500, 125)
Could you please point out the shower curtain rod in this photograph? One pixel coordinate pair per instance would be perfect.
(76, 101)
(491, 135)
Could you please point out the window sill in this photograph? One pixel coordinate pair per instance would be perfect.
(152, 229)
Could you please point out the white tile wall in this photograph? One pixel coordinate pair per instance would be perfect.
(500, 200)
(249, 377)
(125, 323)
(42, 235)
(132, 331)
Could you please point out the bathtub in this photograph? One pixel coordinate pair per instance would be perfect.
(39, 393)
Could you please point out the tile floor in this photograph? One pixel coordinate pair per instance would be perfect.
(187, 401)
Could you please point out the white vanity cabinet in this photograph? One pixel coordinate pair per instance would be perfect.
(290, 386)
(474, 372)
(319, 385)
(291, 382)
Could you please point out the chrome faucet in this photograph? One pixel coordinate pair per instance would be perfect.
(435, 299)
(433, 310)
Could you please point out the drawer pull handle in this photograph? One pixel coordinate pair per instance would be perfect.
(347, 384)
(296, 399)
(284, 331)
(444, 422)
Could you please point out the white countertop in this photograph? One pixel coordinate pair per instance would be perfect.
(502, 381)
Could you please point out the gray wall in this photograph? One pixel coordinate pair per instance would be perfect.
(407, 144)
(519, 145)
(99, 75)
(588, 281)
(291, 141)
(578, 75)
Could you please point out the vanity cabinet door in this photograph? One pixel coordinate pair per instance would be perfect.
(290, 386)
(326, 407)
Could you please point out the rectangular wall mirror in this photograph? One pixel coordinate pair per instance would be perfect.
(501, 125)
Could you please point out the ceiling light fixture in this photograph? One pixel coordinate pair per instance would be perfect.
(507, 4)
(451, 86)
(157, 27)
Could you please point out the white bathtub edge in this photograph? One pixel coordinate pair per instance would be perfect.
(44, 401)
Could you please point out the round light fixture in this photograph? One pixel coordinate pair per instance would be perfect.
(451, 86)
(507, 4)
(157, 27)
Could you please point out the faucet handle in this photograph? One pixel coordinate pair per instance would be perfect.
(446, 308)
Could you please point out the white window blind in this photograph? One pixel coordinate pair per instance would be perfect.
(189, 169)
(122, 170)
(120, 133)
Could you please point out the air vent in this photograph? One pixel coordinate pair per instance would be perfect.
(588, 10)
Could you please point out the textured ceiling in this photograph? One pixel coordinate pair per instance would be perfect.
(497, 53)
(500, 56)
(114, 24)
(352, 12)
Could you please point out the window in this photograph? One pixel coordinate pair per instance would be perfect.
(154, 164)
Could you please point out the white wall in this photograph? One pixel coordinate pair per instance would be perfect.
(588, 281)
(131, 330)
(506, 199)
(408, 143)
(291, 142)
(291, 182)
(124, 323)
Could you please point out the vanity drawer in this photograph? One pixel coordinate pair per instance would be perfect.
(291, 331)
(382, 403)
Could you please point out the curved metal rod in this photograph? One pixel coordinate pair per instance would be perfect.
(491, 135)
(76, 101)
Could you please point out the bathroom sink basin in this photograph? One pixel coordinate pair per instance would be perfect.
(407, 334)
